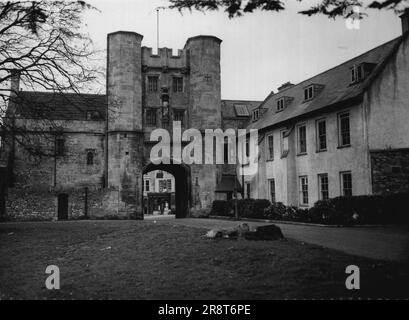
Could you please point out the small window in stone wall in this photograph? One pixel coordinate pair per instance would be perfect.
(177, 83)
(396, 169)
(59, 146)
(153, 83)
(179, 115)
(151, 117)
(90, 158)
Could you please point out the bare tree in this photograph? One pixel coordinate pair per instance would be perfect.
(330, 8)
(42, 48)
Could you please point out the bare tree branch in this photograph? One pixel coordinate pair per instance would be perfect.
(44, 43)
(330, 8)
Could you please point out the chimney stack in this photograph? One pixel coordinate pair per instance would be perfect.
(14, 81)
(285, 86)
(405, 21)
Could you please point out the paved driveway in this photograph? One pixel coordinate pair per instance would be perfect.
(385, 243)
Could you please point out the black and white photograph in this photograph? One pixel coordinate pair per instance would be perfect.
(207, 155)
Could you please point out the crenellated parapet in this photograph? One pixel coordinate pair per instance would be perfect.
(163, 59)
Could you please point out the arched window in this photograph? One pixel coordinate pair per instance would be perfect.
(90, 158)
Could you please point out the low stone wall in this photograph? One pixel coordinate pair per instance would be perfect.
(32, 205)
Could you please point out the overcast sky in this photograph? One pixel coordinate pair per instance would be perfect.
(260, 51)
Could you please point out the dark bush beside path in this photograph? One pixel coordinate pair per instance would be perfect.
(370, 209)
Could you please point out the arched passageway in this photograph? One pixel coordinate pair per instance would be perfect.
(181, 174)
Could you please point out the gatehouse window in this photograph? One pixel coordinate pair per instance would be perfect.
(179, 115)
(177, 84)
(153, 83)
(151, 117)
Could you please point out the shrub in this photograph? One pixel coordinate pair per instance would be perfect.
(252, 208)
(369, 209)
(221, 208)
(247, 208)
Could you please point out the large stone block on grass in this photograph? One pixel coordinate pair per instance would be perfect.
(269, 232)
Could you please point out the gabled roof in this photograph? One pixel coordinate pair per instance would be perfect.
(60, 106)
(336, 88)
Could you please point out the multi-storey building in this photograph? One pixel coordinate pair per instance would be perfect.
(342, 132)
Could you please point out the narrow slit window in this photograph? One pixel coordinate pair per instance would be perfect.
(90, 158)
(270, 147)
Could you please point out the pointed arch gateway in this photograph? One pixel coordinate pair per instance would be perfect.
(183, 185)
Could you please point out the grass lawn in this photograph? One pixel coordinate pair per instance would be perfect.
(146, 260)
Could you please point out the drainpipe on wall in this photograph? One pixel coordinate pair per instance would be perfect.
(106, 120)
(405, 21)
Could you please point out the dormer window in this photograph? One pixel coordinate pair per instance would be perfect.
(280, 104)
(311, 91)
(283, 102)
(356, 73)
(241, 110)
(256, 114)
(308, 93)
(360, 71)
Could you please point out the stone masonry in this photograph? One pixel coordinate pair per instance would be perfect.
(106, 138)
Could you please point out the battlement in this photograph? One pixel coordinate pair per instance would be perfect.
(164, 57)
(162, 52)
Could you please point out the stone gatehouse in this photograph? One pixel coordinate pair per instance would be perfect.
(99, 145)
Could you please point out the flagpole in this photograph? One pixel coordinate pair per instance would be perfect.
(157, 29)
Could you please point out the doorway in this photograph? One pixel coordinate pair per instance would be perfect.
(173, 195)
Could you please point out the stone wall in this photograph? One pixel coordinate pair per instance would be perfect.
(3, 174)
(29, 204)
(65, 171)
(390, 171)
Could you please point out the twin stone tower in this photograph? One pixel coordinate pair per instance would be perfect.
(146, 91)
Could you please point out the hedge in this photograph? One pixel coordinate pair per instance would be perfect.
(371, 209)
(250, 208)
